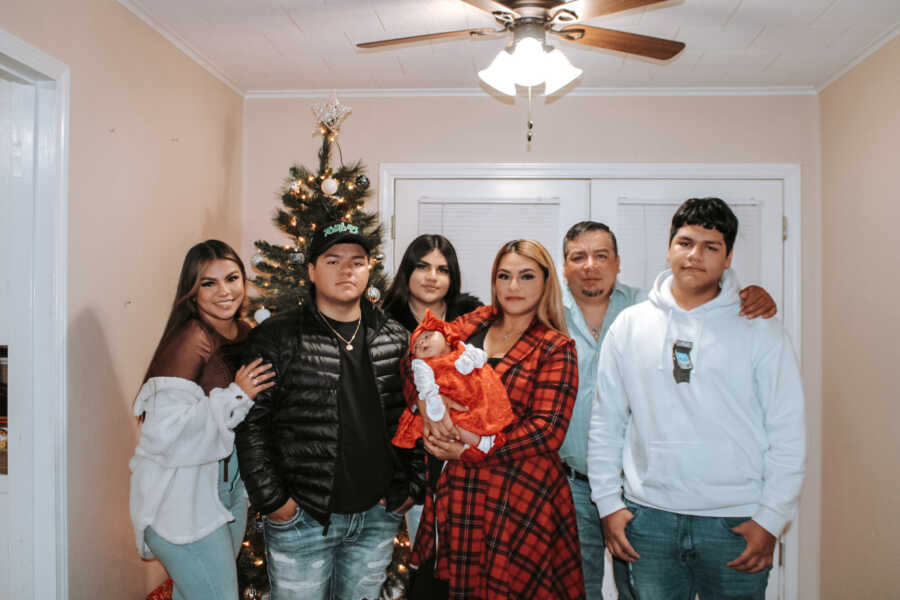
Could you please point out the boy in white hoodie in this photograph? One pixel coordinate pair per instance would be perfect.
(703, 411)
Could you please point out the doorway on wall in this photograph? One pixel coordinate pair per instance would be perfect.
(17, 109)
(478, 207)
(33, 237)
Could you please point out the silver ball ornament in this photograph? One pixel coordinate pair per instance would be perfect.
(262, 314)
(362, 182)
(257, 259)
(373, 294)
(297, 258)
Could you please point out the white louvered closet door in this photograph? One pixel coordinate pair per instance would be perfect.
(478, 215)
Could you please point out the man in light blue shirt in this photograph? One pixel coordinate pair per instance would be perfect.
(593, 299)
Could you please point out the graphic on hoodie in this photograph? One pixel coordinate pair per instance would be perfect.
(681, 359)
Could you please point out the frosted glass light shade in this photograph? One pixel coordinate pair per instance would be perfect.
(529, 64)
(500, 74)
(558, 71)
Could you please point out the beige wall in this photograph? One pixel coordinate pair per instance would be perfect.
(154, 165)
(572, 129)
(861, 406)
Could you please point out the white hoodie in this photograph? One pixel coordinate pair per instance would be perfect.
(728, 443)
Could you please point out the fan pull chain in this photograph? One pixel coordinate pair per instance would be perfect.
(529, 130)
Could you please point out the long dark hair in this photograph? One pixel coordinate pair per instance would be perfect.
(184, 307)
(398, 293)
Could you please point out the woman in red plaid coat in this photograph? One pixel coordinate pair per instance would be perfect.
(502, 510)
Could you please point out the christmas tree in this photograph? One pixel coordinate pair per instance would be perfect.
(311, 199)
(253, 580)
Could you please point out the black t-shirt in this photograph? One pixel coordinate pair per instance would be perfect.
(477, 340)
(364, 463)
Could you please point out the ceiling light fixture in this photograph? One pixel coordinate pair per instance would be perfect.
(529, 62)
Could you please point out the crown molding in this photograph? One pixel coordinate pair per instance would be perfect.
(869, 50)
(137, 9)
(586, 91)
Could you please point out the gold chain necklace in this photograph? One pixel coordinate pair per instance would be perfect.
(518, 334)
(507, 335)
(419, 318)
(349, 343)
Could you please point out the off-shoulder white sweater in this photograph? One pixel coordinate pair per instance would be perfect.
(174, 470)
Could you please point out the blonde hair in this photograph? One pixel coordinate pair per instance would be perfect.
(550, 307)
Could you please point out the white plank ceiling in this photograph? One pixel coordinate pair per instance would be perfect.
(272, 46)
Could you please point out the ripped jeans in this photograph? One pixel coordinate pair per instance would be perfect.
(349, 563)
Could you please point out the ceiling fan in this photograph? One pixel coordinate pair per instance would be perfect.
(528, 60)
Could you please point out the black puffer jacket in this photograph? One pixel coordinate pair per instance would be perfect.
(288, 444)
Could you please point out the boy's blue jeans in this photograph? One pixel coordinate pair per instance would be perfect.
(348, 563)
(683, 555)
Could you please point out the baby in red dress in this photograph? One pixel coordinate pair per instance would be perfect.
(445, 366)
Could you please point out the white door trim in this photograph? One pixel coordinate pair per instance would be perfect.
(789, 174)
(44, 519)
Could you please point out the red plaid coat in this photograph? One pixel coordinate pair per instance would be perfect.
(506, 523)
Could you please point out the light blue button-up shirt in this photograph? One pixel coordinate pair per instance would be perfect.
(574, 448)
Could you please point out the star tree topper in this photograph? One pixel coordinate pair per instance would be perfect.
(331, 114)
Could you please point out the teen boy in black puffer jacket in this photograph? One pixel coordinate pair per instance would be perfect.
(315, 449)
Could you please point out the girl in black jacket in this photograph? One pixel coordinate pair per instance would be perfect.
(428, 278)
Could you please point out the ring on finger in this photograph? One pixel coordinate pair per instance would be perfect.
(255, 382)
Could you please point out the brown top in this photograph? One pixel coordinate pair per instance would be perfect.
(199, 353)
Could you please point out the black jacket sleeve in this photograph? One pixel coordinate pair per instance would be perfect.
(413, 460)
(253, 437)
(462, 304)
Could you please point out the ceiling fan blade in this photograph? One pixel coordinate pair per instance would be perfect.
(492, 6)
(588, 9)
(622, 41)
(428, 36)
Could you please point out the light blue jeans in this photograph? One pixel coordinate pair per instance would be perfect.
(590, 537)
(205, 569)
(683, 556)
(413, 518)
(348, 563)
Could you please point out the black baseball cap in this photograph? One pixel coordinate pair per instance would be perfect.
(338, 232)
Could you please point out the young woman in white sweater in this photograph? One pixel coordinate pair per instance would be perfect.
(188, 503)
